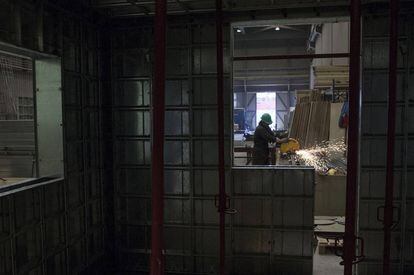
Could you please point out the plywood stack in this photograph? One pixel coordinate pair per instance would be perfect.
(311, 121)
(318, 126)
(300, 122)
(326, 76)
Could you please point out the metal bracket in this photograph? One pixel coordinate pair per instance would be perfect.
(358, 258)
(337, 249)
(394, 222)
(227, 208)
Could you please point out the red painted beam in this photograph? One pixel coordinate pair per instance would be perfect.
(392, 94)
(157, 163)
(353, 138)
(220, 123)
(290, 56)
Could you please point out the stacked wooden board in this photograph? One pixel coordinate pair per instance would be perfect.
(306, 96)
(328, 76)
(311, 122)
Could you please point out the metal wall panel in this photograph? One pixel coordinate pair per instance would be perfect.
(58, 229)
(191, 139)
(373, 143)
(191, 177)
(273, 227)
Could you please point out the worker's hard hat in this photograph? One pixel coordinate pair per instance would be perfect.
(267, 118)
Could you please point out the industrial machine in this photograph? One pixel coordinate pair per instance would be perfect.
(289, 147)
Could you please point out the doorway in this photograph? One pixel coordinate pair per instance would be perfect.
(297, 72)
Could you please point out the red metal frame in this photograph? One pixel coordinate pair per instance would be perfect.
(290, 56)
(157, 164)
(353, 138)
(220, 123)
(392, 91)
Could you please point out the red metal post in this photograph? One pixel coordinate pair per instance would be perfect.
(392, 91)
(290, 56)
(157, 164)
(220, 123)
(353, 137)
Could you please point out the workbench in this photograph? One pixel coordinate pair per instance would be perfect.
(328, 230)
(249, 154)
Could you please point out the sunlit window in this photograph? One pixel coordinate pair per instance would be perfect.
(266, 103)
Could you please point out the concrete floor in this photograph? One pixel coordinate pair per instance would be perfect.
(326, 264)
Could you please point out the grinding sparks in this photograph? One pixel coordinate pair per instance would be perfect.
(325, 156)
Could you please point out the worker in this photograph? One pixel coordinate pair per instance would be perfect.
(263, 135)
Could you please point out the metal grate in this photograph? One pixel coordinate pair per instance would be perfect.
(16, 83)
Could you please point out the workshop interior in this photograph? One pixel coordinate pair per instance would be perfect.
(206, 137)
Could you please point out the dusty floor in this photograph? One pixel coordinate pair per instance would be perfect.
(326, 264)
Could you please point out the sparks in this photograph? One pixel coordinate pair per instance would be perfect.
(325, 156)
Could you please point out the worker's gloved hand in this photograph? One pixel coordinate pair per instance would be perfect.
(282, 140)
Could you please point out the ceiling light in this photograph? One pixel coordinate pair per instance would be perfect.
(238, 30)
(277, 28)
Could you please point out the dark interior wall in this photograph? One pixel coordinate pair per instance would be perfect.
(191, 177)
(375, 62)
(76, 228)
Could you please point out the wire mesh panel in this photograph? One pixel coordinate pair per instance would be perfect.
(373, 144)
(17, 137)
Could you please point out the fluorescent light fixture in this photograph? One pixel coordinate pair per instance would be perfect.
(277, 28)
